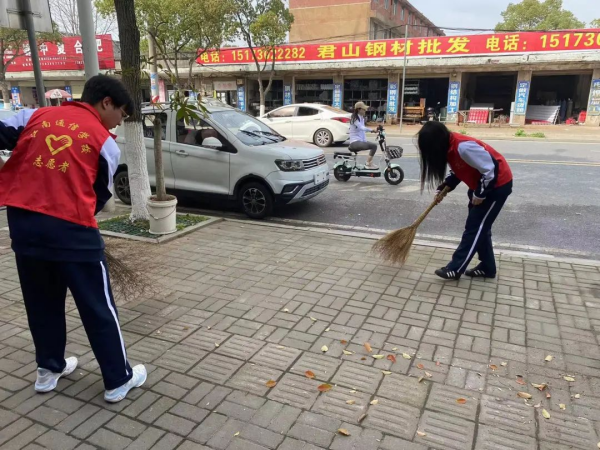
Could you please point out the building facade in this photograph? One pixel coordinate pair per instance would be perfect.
(347, 20)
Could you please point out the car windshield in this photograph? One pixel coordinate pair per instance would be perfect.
(246, 128)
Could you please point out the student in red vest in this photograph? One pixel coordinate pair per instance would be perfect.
(58, 178)
(490, 181)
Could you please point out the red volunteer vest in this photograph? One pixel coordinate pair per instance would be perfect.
(469, 175)
(53, 168)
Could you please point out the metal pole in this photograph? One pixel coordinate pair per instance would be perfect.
(403, 76)
(88, 38)
(35, 59)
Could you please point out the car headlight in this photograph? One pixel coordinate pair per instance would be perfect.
(289, 165)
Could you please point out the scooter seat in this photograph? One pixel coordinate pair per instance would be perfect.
(337, 154)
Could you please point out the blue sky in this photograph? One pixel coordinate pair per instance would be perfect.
(486, 13)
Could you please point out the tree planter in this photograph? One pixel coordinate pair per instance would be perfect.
(162, 215)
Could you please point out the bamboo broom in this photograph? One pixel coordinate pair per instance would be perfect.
(395, 246)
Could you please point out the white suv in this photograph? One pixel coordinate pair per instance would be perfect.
(232, 156)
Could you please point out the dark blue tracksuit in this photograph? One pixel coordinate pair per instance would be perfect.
(54, 255)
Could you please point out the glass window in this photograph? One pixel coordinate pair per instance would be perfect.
(402, 14)
(395, 6)
(196, 132)
(386, 3)
(305, 111)
(288, 111)
(148, 125)
(246, 128)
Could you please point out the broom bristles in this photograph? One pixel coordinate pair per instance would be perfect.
(395, 247)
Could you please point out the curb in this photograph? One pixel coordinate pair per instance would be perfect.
(422, 240)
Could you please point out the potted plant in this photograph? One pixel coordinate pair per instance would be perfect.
(162, 208)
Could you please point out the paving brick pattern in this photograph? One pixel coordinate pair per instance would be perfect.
(241, 304)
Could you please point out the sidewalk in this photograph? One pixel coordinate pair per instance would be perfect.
(556, 133)
(245, 303)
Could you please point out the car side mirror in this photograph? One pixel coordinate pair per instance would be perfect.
(212, 142)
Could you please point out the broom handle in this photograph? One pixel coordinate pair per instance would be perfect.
(428, 210)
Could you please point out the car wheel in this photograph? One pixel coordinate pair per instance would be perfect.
(340, 174)
(323, 138)
(256, 200)
(394, 175)
(122, 189)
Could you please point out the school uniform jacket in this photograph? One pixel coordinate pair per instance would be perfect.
(476, 164)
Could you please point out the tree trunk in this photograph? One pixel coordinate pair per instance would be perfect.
(5, 91)
(135, 149)
(261, 91)
(161, 193)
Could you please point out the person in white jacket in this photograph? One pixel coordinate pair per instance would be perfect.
(358, 137)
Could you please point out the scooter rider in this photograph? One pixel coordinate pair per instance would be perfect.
(358, 138)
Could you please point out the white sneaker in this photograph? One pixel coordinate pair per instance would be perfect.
(47, 381)
(371, 167)
(118, 394)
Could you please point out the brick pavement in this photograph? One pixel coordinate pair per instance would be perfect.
(243, 303)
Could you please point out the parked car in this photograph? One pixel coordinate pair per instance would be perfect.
(310, 122)
(232, 156)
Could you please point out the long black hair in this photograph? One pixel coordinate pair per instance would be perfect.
(433, 143)
(354, 116)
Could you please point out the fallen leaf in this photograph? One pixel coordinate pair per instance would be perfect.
(208, 328)
(344, 432)
(521, 381)
(524, 395)
(548, 358)
(324, 387)
(361, 418)
(343, 342)
(394, 349)
(577, 396)
(280, 347)
(428, 375)
(437, 363)
(461, 401)
(421, 433)
(368, 347)
(324, 348)
(327, 329)
(504, 364)
(548, 395)
(313, 319)
(158, 332)
(364, 358)
(562, 406)
(420, 379)
(537, 405)
(271, 383)
(186, 328)
(420, 366)
(392, 358)
(493, 367)
(346, 352)
(286, 310)
(216, 345)
(406, 356)
(237, 434)
(571, 379)
(350, 402)
(598, 445)
(309, 374)
(374, 402)
(386, 372)
(378, 356)
(546, 414)
(540, 387)
(353, 391)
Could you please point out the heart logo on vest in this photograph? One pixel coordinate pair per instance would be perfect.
(58, 144)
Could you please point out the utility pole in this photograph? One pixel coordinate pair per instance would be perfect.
(25, 7)
(88, 38)
(404, 76)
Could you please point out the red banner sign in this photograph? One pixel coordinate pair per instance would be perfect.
(65, 56)
(491, 44)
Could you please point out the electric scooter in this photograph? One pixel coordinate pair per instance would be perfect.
(347, 167)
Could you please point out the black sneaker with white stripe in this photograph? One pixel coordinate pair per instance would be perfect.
(478, 273)
(447, 274)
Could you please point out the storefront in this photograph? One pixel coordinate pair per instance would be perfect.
(566, 93)
(315, 91)
(371, 91)
(273, 99)
(489, 90)
(423, 93)
(226, 92)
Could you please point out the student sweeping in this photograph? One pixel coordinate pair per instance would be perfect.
(490, 181)
(58, 177)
